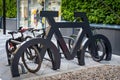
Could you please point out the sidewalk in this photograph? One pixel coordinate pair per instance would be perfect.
(66, 65)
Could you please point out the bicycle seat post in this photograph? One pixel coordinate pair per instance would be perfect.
(12, 36)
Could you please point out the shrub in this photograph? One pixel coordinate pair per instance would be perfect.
(98, 11)
(11, 8)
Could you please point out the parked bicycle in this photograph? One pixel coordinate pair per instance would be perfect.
(31, 54)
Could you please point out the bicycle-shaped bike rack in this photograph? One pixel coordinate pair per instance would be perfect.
(76, 49)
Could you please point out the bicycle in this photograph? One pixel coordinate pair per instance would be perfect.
(31, 54)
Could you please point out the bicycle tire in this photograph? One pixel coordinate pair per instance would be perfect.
(99, 51)
(28, 37)
(108, 47)
(10, 47)
(36, 57)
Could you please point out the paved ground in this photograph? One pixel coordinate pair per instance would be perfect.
(5, 73)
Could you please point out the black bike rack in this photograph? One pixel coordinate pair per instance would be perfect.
(48, 44)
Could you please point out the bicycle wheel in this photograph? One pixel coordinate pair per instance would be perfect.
(32, 59)
(28, 37)
(99, 51)
(10, 47)
(107, 45)
(71, 41)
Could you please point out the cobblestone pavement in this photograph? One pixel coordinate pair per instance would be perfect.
(5, 73)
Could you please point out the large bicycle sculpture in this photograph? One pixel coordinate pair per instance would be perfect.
(78, 50)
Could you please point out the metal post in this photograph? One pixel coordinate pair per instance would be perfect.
(29, 1)
(44, 8)
(18, 14)
(4, 17)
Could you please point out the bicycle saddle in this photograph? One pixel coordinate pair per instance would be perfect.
(12, 32)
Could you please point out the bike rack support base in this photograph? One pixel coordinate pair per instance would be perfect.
(80, 57)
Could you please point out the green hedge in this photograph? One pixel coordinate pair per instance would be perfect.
(1, 8)
(98, 11)
(11, 8)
